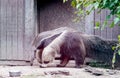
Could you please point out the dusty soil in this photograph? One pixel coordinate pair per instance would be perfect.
(53, 72)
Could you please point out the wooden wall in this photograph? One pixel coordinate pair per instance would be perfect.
(17, 29)
(107, 32)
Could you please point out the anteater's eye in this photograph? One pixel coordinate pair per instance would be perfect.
(46, 62)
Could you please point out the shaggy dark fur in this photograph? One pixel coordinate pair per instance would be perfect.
(98, 48)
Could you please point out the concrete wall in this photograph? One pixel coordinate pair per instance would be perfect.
(57, 14)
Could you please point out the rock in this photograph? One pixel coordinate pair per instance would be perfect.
(64, 72)
(94, 71)
(58, 72)
(111, 72)
(89, 69)
(97, 73)
(43, 65)
(14, 73)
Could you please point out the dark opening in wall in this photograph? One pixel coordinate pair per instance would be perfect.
(41, 4)
(44, 3)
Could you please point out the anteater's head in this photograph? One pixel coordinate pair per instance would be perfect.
(48, 55)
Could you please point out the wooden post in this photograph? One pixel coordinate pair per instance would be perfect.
(29, 28)
(89, 23)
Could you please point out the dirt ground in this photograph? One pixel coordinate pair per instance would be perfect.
(54, 72)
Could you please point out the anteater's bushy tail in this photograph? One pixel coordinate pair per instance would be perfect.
(100, 49)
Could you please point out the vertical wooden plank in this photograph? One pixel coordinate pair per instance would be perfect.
(14, 32)
(20, 23)
(115, 32)
(11, 23)
(109, 30)
(29, 28)
(3, 29)
(89, 23)
(9, 30)
(104, 30)
(97, 19)
(119, 30)
(0, 29)
(37, 27)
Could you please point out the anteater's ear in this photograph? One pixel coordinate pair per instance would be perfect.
(41, 44)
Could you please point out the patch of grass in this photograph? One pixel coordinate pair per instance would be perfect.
(100, 65)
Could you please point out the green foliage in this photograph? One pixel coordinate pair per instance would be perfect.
(64, 1)
(99, 64)
(114, 59)
(97, 25)
(112, 5)
(116, 51)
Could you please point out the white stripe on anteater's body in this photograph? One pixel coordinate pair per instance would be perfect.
(53, 48)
